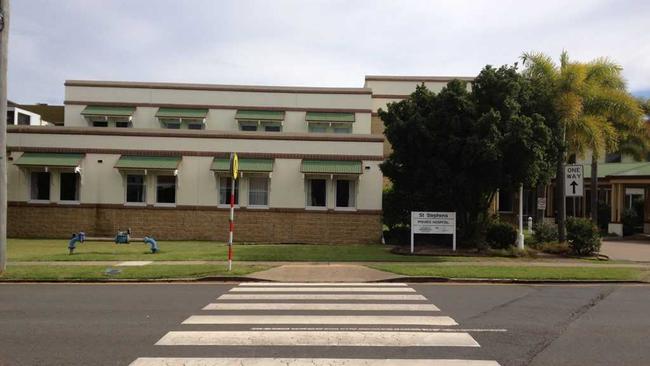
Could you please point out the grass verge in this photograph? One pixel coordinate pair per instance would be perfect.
(153, 271)
(56, 250)
(518, 272)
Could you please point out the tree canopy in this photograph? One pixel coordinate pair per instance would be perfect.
(453, 150)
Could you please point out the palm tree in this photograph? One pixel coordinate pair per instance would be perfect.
(593, 109)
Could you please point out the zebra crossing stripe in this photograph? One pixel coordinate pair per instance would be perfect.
(386, 297)
(322, 319)
(320, 306)
(322, 289)
(317, 284)
(162, 361)
(307, 338)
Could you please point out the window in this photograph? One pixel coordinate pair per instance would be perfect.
(10, 117)
(122, 124)
(505, 201)
(317, 192)
(345, 193)
(135, 188)
(40, 186)
(342, 129)
(248, 127)
(100, 123)
(24, 119)
(166, 189)
(272, 128)
(69, 189)
(173, 125)
(258, 192)
(318, 127)
(225, 185)
(195, 126)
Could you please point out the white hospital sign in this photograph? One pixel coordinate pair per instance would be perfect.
(574, 180)
(433, 223)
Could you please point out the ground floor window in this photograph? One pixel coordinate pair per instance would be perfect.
(135, 188)
(100, 123)
(258, 191)
(316, 192)
(345, 193)
(166, 189)
(506, 201)
(69, 188)
(225, 188)
(40, 186)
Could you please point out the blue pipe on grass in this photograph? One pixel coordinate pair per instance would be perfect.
(76, 238)
(152, 242)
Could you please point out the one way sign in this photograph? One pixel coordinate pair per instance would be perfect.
(573, 180)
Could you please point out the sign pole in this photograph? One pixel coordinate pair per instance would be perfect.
(4, 38)
(520, 237)
(234, 172)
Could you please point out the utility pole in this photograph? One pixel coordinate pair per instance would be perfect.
(4, 39)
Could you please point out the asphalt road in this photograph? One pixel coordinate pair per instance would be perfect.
(114, 324)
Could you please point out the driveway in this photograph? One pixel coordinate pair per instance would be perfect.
(631, 250)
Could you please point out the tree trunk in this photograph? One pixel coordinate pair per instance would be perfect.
(594, 189)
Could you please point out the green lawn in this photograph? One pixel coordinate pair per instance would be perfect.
(153, 271)
(517, 272)
(57, 250)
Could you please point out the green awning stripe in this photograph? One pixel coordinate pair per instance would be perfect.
(259, 115)
(148, 162)
(49, 159)
(96, 110)
(181, 113)
(245, 165)
(619, 169)
(329, 117)
(331, 167)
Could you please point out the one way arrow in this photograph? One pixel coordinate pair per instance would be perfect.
(574, 184)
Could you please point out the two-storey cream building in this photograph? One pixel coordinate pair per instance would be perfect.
(153, 157)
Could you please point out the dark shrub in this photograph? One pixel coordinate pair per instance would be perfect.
(501, 235)
(398, 235)
(583, 236)
(544, 232)
(630, 220)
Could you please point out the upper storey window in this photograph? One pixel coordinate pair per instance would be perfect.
(104, 116)
(178, 118)
(259, 120)
(330, 122)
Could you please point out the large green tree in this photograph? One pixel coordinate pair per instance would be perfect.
(594, 114)
(453, 150)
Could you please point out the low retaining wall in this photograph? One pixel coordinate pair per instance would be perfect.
(195, 223)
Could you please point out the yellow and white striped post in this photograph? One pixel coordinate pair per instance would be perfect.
(234, 172)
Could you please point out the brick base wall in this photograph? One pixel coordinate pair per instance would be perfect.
(254, 226)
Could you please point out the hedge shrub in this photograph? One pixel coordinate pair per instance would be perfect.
(501, 235)
(583, 236)
(544, 232)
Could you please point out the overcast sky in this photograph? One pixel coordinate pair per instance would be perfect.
(307, 42)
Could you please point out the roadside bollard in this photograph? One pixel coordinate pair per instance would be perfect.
(530, 224)
(152, 242)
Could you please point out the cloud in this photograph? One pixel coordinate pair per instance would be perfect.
(328, 43)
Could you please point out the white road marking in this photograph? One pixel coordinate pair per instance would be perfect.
(356, 284)
(146, 361)
(133, 263)
(321, 297)
(321, 319)
(320, 306)
(355, 339)
(375, 329)
(322, 289)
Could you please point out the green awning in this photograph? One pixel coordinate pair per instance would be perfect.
(49, 159)
(245, 165)
(97, 110)
(329, 117)
(331, 167)
(148, 162)
(259, 115)
(619, 169)
(181, 113)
